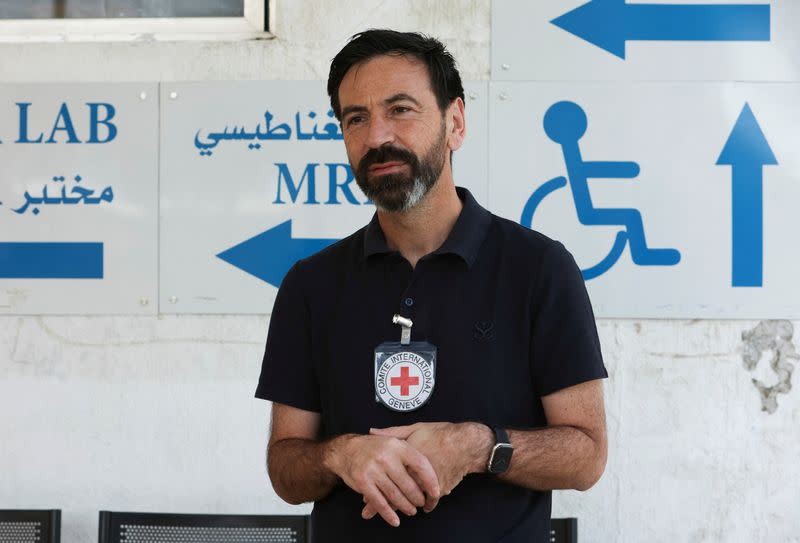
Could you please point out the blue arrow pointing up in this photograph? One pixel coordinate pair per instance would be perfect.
(269, 255)
(608, 24)
(747, 152)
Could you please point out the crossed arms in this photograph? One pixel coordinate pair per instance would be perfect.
(406, 467)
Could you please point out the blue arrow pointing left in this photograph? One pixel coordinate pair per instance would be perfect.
(46, 260)
(608, 24)
(270, 254)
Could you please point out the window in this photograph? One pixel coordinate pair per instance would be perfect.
(86, 20)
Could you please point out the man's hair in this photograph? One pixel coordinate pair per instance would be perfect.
(445, 79)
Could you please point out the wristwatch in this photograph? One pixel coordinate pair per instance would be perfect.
(500, 458)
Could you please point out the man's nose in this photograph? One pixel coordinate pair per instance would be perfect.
(380, 132)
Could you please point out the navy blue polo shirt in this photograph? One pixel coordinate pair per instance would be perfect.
(508, 311)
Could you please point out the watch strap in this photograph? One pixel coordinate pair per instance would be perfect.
(501, 451)
(500, 435)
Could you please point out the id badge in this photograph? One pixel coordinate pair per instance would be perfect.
(405, 374)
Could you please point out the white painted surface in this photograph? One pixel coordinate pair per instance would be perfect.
(142, 413)
(156, 413)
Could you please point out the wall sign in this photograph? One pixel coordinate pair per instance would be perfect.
(78, 198)
(254, 176)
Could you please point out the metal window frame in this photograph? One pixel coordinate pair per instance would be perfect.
(258, 14)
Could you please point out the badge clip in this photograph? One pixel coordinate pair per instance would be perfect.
(405, 323)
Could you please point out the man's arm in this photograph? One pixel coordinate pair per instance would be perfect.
(570, 452)
(294, 456)
(389, 473)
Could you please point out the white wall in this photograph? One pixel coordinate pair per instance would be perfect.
(157, 413)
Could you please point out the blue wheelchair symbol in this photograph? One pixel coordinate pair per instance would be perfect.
(565, 123)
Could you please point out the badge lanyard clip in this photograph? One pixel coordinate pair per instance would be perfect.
(405, 323)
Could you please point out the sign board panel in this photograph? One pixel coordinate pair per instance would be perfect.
(659, 40)
(678, 200)
(254, 176)
(78, 198)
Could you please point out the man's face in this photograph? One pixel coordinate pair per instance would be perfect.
(394, 132)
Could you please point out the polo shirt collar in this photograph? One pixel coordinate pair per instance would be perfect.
(464, 240)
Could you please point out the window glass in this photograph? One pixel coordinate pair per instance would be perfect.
(110, 9)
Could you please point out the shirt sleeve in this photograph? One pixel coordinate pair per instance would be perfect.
(287, 370)
(565, 348)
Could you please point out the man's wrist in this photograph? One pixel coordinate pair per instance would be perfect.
(332, 453)
(480, 440)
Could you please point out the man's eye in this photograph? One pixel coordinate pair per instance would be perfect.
(401, 109)
(355, 119)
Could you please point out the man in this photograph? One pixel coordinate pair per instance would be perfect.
(412, 440)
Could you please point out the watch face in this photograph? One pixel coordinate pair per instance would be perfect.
(501, 458)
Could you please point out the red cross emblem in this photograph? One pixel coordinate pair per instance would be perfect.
(405, 381)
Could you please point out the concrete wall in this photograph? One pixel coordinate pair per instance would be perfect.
(157, 413)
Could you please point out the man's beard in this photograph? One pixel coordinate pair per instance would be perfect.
(399, 191)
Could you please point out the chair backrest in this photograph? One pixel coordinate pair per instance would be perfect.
(125, 527)
(30, 526)
(564, 530)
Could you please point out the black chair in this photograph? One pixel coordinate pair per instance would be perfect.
(564, 530)
(124, 527)
(30, 526)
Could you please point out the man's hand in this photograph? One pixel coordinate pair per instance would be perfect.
(454, 450)
(390, 473)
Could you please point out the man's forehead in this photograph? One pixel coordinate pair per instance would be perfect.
(383, 76)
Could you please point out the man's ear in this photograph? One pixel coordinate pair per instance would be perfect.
(456, 124)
